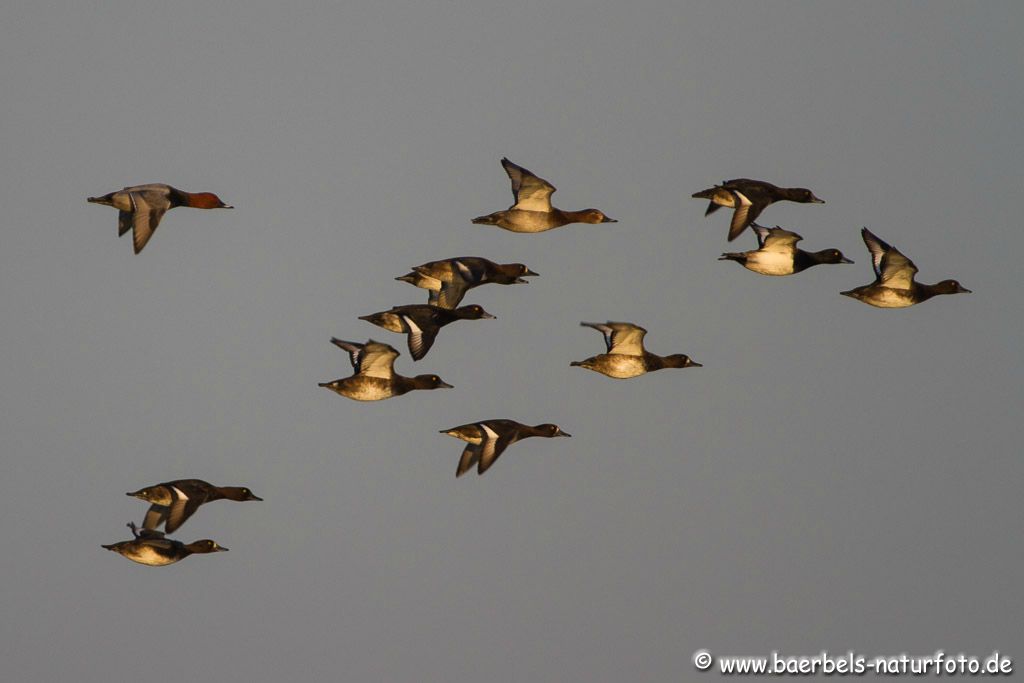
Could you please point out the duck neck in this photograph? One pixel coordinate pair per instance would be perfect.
(655, 362)
(581, 216)
(178, 197)
(229, 492)
(925, 292)
(220, 493)
(535, 430)
(201, 200)
(803, 260)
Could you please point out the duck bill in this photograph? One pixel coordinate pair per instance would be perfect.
(444, 385)
(561, 433)
(845, 260)
(694, 364)
(530, 272)
(609, 220)
(817, 200)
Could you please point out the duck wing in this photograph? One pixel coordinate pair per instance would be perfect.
(532, 193)
(155, 516)
(145, 217)
(450, 294)
(181, 508)
(125, 220)
(355, 351)
(377, 360)
(892, 268)
(748, 208)
(492, 446)
(622, 338)
(470, 457)
(421, 332)
(776, 239)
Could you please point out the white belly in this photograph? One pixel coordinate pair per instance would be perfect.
(146, 555)
(770, 263)
(621, 366)
(891, 298)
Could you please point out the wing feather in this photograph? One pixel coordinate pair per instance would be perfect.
(746, 213)
(470, 457)
(377, 360)
(532, 193)
(892, 268)
(777, 240)
(145, 219)
(492, 447)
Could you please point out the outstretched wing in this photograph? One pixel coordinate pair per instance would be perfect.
(776, 239)
(492, 447)
(531, 192)
(470, 457)
(377, 360)
(181, 508)
(155, 516)
(747, 211)
(420, 338)
(355, 351)
(892, 268)
(622, 338)
(450, 295)
(145, 219)
(124, 222)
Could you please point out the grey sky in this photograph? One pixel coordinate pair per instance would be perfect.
(835, 477)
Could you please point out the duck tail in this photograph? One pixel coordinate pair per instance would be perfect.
(704, 194)
(489, 219)
(738, 257)
(107, 199)
(409, 277)
(375, 318)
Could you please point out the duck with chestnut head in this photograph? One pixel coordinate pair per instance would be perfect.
(142, 206)
(532, 211)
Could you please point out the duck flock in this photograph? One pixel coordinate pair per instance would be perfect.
(447, 281)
